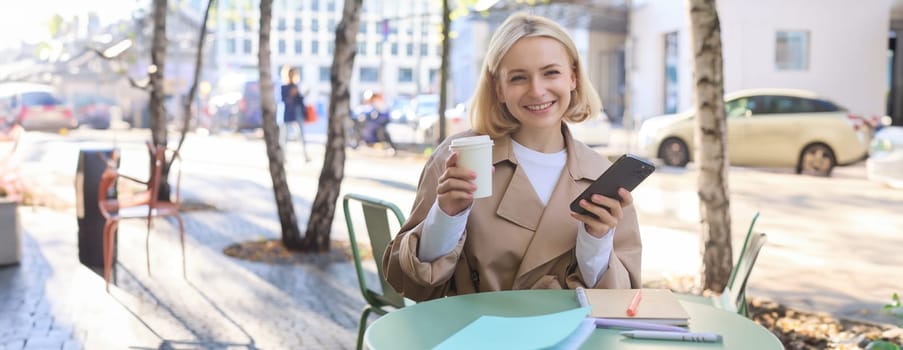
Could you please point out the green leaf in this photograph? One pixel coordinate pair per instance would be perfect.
(882, 345)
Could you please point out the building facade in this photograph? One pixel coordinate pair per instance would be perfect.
(398, 49)
(831, 47)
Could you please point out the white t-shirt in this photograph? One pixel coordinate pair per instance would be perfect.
(442, 232)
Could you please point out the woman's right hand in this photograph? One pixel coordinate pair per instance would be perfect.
(456, 187)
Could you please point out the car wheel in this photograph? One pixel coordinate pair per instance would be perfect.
(816, 159)
(674, 152)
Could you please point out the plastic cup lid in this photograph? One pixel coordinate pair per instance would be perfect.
(478, 140)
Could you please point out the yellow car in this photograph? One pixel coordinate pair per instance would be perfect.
(767, 128)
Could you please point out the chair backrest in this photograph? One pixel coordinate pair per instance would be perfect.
(749, 231)
(376, 216)
(744, 267)
(105, 190)
(158, 161)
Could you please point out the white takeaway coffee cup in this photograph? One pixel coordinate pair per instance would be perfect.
(475, 154)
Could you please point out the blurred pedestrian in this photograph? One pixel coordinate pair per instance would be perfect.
(378, 119)
(295, 111)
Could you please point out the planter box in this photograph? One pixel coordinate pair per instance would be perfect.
(10, 233)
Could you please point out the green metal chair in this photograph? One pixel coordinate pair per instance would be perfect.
(376, 216)
(733, 298)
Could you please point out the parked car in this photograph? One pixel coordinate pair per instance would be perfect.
(769, 128)
(223, 111)
(250, 115)
(93, 111)
(399, 108)
(593, 132)
(885, 162)
(35, 107)
(456, 120)
(420, 105)
(237, 108)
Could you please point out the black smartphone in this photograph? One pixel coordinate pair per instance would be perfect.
(627, 172)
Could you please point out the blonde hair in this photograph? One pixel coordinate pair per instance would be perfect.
(487, 114)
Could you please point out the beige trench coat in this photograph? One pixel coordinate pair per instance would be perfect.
(511, 240)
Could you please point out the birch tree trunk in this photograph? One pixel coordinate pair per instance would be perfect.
(291, 234)
(316, 238)
(198, 67)
(157, 92)
(443, 70)
(711, 148)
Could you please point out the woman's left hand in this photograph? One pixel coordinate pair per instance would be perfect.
(605, 219)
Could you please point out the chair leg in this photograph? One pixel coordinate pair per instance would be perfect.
(362, 326)
(182, 239)
(109, 230)
(150, 221)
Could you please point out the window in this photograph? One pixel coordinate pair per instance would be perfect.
(231, 24)
(330, 49)
(230, 45)
(281, 24)
(361, 48)
(671, 66)
(405, 75)
(394, 49)
(362, 27)
(789, 104)
(424, 49)
(434, 76)
(247, 23)
(738, 107)
(281, 46)
(298, 25)
(786, 105)
(314, 25)
(331, 25)
(330, 6)
(791, 51)
(369, 75)
(315, 47)
(409, 49)
(379, 49)
(246, 46)
(315, 5)
(299, 46)
(324, 73)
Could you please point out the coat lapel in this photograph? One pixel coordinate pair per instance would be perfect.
(556, 231)
(520, 204)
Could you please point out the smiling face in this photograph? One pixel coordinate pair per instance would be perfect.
(534, 81)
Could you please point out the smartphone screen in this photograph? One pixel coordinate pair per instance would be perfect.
(628, 171)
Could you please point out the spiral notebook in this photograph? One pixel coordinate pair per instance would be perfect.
(656, 306)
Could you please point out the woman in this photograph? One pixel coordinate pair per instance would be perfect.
(295, 112)
(524, 236)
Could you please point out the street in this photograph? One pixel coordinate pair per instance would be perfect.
(833, 243)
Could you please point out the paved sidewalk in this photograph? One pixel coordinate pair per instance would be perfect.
(51, 301)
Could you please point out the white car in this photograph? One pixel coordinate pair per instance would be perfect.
(885, 162)
(594, 131)
(768, 128)
(456, 120)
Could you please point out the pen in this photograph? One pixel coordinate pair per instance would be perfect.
(657, 335)
(631, 310)
(636, 325)
(581, 297)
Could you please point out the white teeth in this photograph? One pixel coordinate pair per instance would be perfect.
(539, 107)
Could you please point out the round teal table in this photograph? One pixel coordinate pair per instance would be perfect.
(425, 325)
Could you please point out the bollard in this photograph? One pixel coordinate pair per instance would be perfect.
(91, 164)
